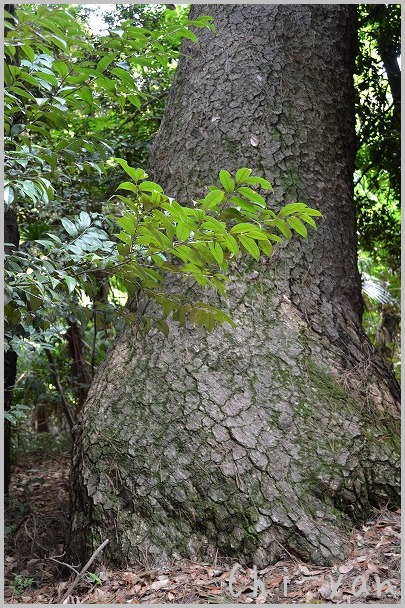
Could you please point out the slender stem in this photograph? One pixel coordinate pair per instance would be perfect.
(93, 349)
(83, 571)
(59, 388)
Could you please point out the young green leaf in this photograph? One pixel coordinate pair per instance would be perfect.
(243, 227)
(284, 228)
(136, 174)
(242, 175)
(259, 180)
(226, 180)
(250, 246)
(298, 226)
(313, 212)
(266, 247)
(128, 186)
(252, 195)
(183, 231)
(292, 208)
(213, 198)
(217, 252)
(245, 205)
(306, 218)
(128, 224)
(105, 62)
(231, 244)
(150, 187)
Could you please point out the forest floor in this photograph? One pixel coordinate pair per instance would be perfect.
(37, 521)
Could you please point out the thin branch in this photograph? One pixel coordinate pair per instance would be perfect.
(82, 571)
(63, 564)
(94, 341)
(59, 388)
(142, 107)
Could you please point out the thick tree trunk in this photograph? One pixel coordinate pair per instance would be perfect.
(283, 432)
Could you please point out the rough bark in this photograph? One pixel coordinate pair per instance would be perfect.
(10, 357)
(283, 432)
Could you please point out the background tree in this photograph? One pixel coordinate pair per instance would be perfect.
(378, 106)
(377, 175)
(283, 432)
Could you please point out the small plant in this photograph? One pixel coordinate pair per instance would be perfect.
(94, 578)
(21, 583)
(17, 412)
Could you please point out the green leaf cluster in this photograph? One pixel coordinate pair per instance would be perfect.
(154, 236)
(198, 241)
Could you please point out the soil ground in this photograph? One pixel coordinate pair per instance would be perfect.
(37, 517)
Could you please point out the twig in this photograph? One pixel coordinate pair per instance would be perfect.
(82, 571)
(64, 564)
(94, 343)
(284, 549)
(56, 381)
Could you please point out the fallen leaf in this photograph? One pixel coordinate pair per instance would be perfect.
(260, 599)
(275, 582)
(159, 584)
(382, 542)
(306, 572)
(345, 568)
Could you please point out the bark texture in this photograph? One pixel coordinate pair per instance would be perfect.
(281, 433)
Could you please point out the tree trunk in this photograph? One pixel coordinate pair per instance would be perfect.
(81, 376)
(11, 236)
(282, 433)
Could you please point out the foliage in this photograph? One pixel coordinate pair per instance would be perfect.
(377, 177)
(17, 413)
(54, 79)
(62, 88)
(381, 319)
(93, 578)
(153, 229)
(21, 583)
